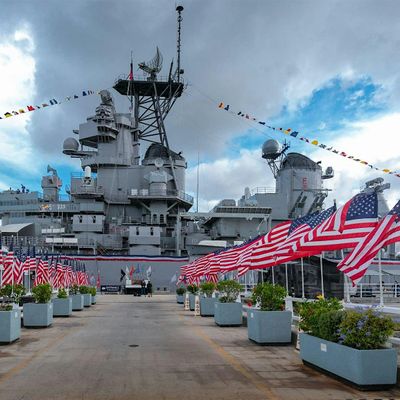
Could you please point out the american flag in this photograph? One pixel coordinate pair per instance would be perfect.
(263, 256)
(42, 273)
(298, 228)
(345, 228)
(8, 273)
(387, 231)
(59, 281)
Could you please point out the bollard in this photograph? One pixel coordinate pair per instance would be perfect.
(187, 308)
(196, 306)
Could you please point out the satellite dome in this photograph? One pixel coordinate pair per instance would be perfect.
(271, 149)
(70, 145)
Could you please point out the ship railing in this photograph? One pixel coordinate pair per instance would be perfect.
(142, 77)
(262, 190)
(169, 192)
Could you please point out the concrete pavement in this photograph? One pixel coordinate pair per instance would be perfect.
(127, 347)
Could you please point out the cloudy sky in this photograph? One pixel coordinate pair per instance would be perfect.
(329, 69)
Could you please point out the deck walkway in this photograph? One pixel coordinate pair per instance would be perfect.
(137, 348)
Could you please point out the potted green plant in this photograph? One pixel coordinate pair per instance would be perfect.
(87, 297)
(62, 305)
(93, 292)
(348, 344)
(180, 291)
(193, 292)
(206, 300)
(77, 298)
(227, 311)
(268, 322)
(12, 293)
(40, 313)
(10, 323)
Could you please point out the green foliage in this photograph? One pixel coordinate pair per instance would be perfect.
(180, 291)
(270, 297)
(311, 311)
(365, 330)
(74, 290)
(42, 293)
(5, 307)
(328, 325)
(93, 291)
(207, 288)
(84, 290)
(229, 291)
(13, 292)
(194, 289)
(62, 294)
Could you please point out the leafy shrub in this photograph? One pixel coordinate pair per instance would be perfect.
(229, 291)
(84, 290)
(180, 291)
(93, 291)
(5, 307)
(194, 289)
(42, 293)
(329, 323)
(311, 311)
(62, 294)
(13, 292)
(270, 297)
(207, 288)
(365, 330)
(73, 290)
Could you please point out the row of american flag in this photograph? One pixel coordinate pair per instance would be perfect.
(59, 272)
(355, 226)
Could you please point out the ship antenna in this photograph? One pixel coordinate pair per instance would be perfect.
(130, 86)
(179, 9)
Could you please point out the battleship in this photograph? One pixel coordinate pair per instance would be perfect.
(128, 207)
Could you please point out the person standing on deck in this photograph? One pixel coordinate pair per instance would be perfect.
(149, 289)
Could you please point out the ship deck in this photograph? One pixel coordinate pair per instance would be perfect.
(127, 347)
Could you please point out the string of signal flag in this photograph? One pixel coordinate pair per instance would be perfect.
(51, 102)
(313, 142)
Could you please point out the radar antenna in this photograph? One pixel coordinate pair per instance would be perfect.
(154, 66)
(274, 154)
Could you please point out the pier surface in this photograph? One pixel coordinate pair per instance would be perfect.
(127, 347)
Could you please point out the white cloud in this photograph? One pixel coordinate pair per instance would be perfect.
(17, 80)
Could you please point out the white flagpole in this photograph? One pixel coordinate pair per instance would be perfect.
(380, 280)
(346, 283)
(302, 278)
(322, 275)
(286, 279)
(273, 276)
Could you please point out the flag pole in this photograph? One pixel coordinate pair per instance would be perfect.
(380, 280)
(346, 283)
(302, 278)
(273, 275)
(322, 275)
(286, 279)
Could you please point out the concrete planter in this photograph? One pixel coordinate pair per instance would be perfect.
(180, 299)
(94, 299)
(62, 307)
(269, 326)
(192, 298)
(77, 302)
(38, 315)
(368, 369)
(10, 326)
(87, 300)
(207, 305)
(228, 314)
